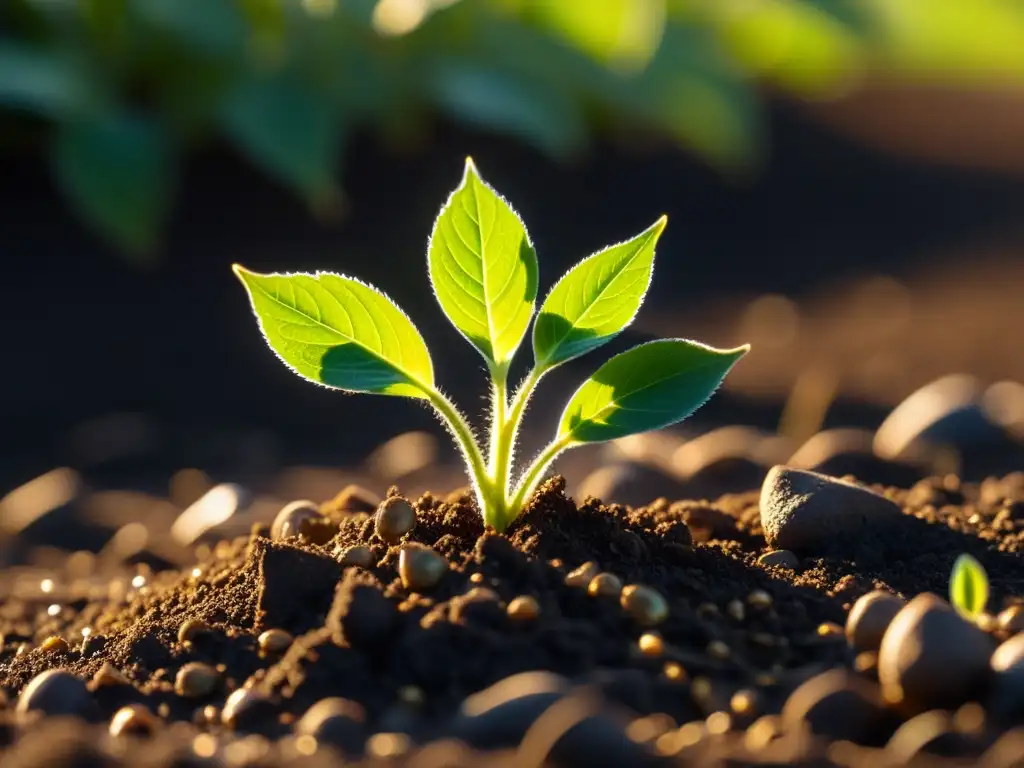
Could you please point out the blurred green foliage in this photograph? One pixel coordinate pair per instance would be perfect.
(124, 87)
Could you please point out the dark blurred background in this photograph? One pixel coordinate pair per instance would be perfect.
(844, 181)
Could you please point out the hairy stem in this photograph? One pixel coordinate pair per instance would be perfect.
(535, 473)
(471, 453)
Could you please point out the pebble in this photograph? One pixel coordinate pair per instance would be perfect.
(108, 675)
(132, 720)
(806, 511)
(1007, 691)
(293, 519)
(630, 483)
(931, 658)
(196, 680)
(274, 641)
(358, 556)
(420, 567)
(946, 411)
(651, 644)
(191, 629)
(605, 585)
(759, 600)
(524, 608)
(353, 498)
(55, 644)
(780, 558)
(395, 517)
(54, 693)
(645, 605)
(849, 451)
(870, 617)
(582, 576)
(1011, 620)
(246, 709)
(836, 705)
(341, 723)
(725, 460)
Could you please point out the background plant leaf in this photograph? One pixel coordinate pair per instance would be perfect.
(595, 300)
(116, 170)
(483, 268)
(647, 387)
(339, 332)
(968, 586)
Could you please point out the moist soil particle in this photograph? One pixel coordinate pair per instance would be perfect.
(690, 662)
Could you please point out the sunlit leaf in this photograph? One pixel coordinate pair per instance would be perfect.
(647, 387)
(116, 169)
(483, 268)
(40, 81)
(339, 332)
(595, 300)
(968, 587)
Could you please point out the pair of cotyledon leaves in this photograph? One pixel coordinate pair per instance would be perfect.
(342, 333)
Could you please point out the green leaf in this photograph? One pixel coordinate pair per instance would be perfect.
(339, 332)
(595, 300)
(287, 129)
(483, 268)
(968, 587)
(116, 169)
(44, 82)
(647, 387)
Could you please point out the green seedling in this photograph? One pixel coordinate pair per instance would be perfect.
(342, 333)
(968, 587)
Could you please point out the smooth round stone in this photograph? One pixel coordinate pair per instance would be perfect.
(848, 451)
(630, 483)
(420, 567)
(54, 693)
(293, 519)
(870, 617)
(929, 733)
(132, 720)
(1007, 692)
(246, 709)
(196, 680)
(274, 641)
(395, 517)
(780, 558)
(335, 721)
(947, 411)
(806, 511)
(836, 705)
(644, 604)
(931, 658)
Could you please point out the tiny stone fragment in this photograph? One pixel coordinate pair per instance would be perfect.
(645, 605)
(358, 556)
(524, 608)
(274, 641)
(780, 558)
(605, 585)
(420, 567)
(132, 720)
(293, 519)
(395, 517)
(870, 617)
(196, 680)
(582, 576)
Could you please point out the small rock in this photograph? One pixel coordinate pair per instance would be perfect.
(605, 585)
(835, 705)
(524, 608)
(293, 520)
(55, 693)
(420, 567)
(358, 556)
(246, 709)
(582, 576)
(274, 641)
(645, 605)
(947, 411)
(930, 657)
(196, 680)
(805, 511)
(848, 451)
(395, 517)
(870, 617)
(1011, 620)
(341, 723)
(353, 498)
(629, 483)
(929, 733)
(132, 720)
(191, 629)
(1007, 692)
(107, 676)
(780, 558)
(55, 644)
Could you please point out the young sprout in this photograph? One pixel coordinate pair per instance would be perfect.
(968, 587)
(340, 332)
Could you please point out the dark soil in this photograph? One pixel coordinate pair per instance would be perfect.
(411, 660)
